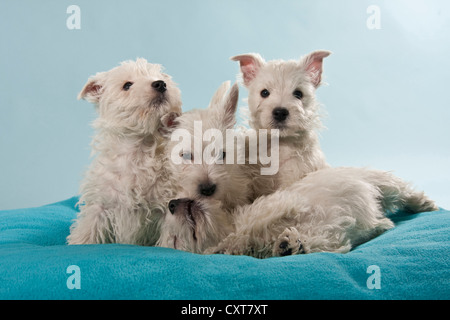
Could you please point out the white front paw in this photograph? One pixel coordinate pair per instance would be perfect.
(288, 243)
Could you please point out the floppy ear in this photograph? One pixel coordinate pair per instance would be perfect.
(313, 65)
(250, 65)
(92, 90)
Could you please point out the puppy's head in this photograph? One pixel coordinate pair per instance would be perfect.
(194, 224)
(282, 93)
(132, 97)
(200, 157)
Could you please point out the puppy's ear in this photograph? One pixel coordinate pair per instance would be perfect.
(169, 122)
(224, 104)
(250, 65)
(230, 106)
(219, 95)
(313, 65)
(93, 89)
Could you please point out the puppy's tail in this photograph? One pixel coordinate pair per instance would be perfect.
(397, 194)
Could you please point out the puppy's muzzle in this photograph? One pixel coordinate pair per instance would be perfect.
(159, 86)
(280, 114)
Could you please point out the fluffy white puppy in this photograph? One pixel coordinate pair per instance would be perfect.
(126, 189)
(210, 180)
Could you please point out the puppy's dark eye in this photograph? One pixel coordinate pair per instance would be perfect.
(298, 94)
(127, 85)
(265, 93)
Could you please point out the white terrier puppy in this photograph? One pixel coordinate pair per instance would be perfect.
(126, 188)
(281, 95)
(210, 181)
(199, 153)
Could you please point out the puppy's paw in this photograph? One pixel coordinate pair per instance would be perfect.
(233, 244)
(168, 123)
(288, 243)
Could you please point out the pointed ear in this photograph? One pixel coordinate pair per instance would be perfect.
(92, 90)
(230, 106)
(169, 123)
(313, 65)
(250, 65)
(224, 104)
(219, 95)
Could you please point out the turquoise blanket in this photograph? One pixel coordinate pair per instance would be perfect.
(410, 261)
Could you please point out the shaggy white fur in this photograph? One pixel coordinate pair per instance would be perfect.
(331, 210)
(127, 187)
(216, 187)
(312, 208)
(194, 140)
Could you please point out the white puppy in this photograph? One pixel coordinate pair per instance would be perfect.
(199, 155)
(210, 180)
(281, 95)
(126, 188)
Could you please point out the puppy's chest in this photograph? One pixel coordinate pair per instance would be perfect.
(138, 173)
(293, 166)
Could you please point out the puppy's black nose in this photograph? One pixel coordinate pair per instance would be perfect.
(159, 86)
(173, 204)
(280, 114)
(207, 189)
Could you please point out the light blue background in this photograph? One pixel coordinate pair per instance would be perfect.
(387, 99)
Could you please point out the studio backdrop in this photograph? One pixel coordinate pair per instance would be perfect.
(385, 99)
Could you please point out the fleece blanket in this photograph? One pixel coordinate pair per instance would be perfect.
(410, 261)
